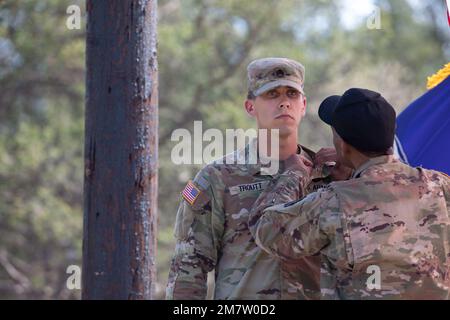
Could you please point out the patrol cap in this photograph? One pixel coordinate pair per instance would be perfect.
(268, 73)
(362, 118)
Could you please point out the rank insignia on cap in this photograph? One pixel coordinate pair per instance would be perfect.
(191, 193)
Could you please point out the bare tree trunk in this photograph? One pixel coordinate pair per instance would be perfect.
(121, 155)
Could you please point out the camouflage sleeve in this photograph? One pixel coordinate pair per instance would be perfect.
(300, 228)
(289, 186)
(198, 230)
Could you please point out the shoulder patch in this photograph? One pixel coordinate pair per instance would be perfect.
(191, 193)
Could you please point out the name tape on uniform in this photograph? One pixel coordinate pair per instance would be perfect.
(256, 186)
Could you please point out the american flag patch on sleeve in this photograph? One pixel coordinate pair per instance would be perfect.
(190, 193)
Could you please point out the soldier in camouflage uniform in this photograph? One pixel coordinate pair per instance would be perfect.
(384, 233)
(211, 225)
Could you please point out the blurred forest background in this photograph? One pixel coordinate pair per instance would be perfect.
(204, 47)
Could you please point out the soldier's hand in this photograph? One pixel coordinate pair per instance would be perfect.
(297, 163)
(340, 172)
(326, 156)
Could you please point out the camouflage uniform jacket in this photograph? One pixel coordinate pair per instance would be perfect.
(212, 234)
(389, 217)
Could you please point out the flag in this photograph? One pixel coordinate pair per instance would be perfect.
(448, 10)
(191, 193)
(423, 129)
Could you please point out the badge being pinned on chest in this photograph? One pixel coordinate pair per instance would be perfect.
(248, 187)
(191, 193)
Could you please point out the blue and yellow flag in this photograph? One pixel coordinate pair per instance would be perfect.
(423, 128)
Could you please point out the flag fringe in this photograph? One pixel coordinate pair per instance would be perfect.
(438, 77)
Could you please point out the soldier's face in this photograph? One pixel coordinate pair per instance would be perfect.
(280, 108)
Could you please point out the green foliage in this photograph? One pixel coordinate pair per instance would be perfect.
(204, 47)
(41, 148)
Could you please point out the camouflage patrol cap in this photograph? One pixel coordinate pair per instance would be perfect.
(268, 73)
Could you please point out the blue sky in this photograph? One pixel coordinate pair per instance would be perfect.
(353, 12)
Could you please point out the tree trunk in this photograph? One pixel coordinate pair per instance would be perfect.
(121, 150)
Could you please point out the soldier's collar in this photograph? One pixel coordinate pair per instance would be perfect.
(248, 158)
(253, 166)
(318, 172)
(372, 162)
(307, 154)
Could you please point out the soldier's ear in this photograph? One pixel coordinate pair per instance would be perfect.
(304, 106)
(250, 107)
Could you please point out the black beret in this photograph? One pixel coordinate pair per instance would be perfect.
(362, 118)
